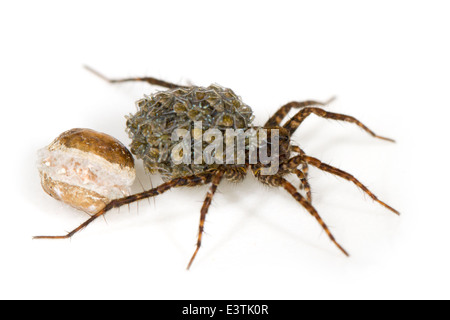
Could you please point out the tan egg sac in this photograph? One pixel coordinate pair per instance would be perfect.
(86, 169)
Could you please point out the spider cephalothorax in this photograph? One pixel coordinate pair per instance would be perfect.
(212, 116)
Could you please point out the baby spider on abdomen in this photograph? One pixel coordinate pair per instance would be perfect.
(184, 134)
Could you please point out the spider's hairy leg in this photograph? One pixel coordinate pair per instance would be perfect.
(193, 180)
(150, 80)
(307, 205)
(293, 162)
(305, 168)
(235, 174)
(304, 184)
(303, 173)
(215, 181)
(295, 121)
(278, 116)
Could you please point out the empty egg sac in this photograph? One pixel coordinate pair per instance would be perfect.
(86, 169)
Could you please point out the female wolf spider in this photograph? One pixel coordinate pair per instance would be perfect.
(220, 108)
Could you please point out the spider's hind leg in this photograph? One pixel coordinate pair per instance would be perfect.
(193, 180)
(150, 80)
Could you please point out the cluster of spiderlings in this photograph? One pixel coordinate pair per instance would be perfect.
(160, 114)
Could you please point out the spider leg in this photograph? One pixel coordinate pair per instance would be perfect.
(217, 177)
(303, 173)
(297, 149)
(295, 122)
(276, 119)
(149, 80)
(307, 205)
(305, 167)
(193, 180)
(293, 162)
(304, 184)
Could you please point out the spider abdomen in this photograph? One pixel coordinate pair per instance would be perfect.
(159, 115)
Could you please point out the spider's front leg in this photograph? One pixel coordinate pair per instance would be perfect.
(278, 181)
(297, 160)
(304, 184)
(295, 122)
(302, 174)
(193, 180)
(278, 116)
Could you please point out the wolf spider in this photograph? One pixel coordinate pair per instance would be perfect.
(296, 164)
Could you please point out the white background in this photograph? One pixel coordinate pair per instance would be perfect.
(388, 64)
